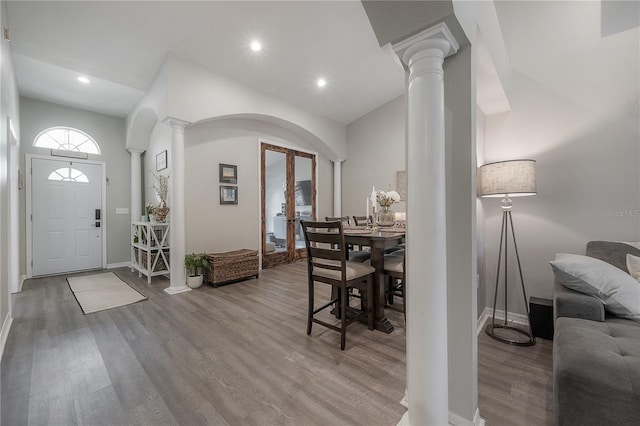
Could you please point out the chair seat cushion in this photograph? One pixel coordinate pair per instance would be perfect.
(353, 270)
(359, 256)
(393, 263)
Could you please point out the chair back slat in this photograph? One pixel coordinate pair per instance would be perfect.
(343, 219)
(325, 253)
(362, 220)
(331, 253)
(324, 237)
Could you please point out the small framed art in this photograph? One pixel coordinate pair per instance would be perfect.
(228, 173)
(228, 194)
(401, 184)
(161, 161)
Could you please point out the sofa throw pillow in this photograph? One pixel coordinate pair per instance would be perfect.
(619, 291)
(633, 265)
(612, 252)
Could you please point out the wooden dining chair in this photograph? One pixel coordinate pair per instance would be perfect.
(344, 219)
(395, 270)
(362, 220)
(357, 254)
(327, 263)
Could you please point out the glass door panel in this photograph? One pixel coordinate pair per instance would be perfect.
(288, 196)
(274, 210)
(304, 198)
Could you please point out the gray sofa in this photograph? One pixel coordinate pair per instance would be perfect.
(596, 356)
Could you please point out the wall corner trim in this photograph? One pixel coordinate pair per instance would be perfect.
(456, 420)
(6, 326)
(486, 316)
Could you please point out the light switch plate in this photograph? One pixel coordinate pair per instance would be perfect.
(122, 210)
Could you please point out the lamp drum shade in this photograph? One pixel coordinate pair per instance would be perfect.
(513, 178)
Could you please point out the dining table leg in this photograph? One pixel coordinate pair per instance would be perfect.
(377, 261)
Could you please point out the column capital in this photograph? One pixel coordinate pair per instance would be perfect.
(437, 37)
(338, 161)
(135, 151)
(175, 122)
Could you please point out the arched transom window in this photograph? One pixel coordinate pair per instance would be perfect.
(67, 139)
(68, 174)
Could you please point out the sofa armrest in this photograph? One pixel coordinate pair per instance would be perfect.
(573, 304)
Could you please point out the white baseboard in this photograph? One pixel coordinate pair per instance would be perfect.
(177, 290)
(477, 420)
(456, 420)
(118, 265)
(22, 278)
(6, 326)
(513, 318)
(404, 420)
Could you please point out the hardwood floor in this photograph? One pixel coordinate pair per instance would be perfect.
(515, 385)
(236, 354)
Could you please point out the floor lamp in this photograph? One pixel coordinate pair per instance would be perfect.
(506, 179)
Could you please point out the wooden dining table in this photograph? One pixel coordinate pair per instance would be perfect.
(378, 240)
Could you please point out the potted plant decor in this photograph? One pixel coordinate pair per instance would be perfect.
(162, 189)
(150, 210)
(195, 263)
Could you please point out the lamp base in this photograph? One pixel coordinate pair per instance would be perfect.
(490, 329)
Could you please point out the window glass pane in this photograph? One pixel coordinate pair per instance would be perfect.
(67, 139)
(67, 174)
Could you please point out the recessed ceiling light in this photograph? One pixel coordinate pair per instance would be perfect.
(321, 82)
(83, 79)
(256, 46)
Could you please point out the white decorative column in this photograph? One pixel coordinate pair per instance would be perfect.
(177, 230)
(136, 184)
(427, 364)
(337, 188)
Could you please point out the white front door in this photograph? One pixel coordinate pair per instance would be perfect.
(67, 216)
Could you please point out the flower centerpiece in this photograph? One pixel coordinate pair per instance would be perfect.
(386, 217)
(162, 190)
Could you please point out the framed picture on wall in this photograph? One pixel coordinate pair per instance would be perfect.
(228, 194)
(401, 184)
(161, 161)
(228, 173)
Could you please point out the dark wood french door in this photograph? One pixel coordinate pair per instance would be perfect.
(288, 196)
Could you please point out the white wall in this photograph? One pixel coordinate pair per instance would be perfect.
(576, 113)
(159, 141)
(109, 132)
(210, 226)
(196, 94)
(460, 104)
(151, 108)
(483, 301)
(375, 152)
(8, 109)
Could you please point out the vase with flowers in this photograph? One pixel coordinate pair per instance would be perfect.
(150, 210)
(386, 216)
(162, 189)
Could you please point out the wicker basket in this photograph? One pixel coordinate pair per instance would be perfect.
(231, 266)
(160, 265)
